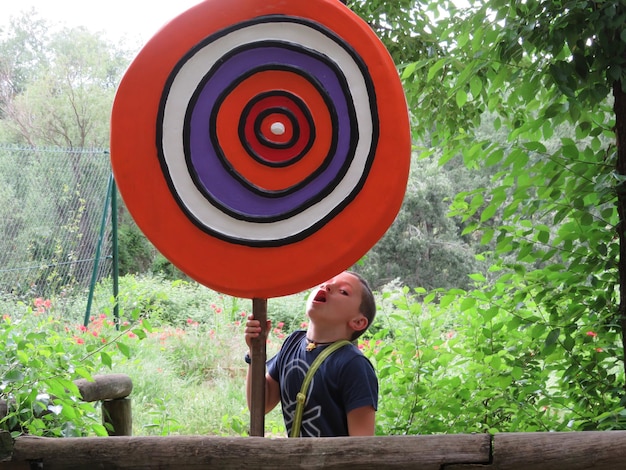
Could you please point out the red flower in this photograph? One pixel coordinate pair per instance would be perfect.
(593, 334)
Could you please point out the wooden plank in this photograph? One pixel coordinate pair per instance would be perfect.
(196, 452)
(600, 450)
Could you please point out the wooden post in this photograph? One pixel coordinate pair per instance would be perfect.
(258, 356)
(119, 415)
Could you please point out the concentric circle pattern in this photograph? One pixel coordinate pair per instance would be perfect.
(265, 148)
(286, 70)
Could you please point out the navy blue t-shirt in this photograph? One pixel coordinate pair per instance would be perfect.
(344, 381)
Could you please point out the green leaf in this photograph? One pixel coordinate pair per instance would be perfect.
(553, 337)
(488, 212)
(461, 98)
(105, 358)
(84, 373)
(543, 236)
(99, 430)
(468, 303)
(141, 334)
(408, 70)
(476, 85)
(124, 349)
(146, 325)
(494, 157)
(437, 66)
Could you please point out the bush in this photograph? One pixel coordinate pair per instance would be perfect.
(41, 357)
(464, 366)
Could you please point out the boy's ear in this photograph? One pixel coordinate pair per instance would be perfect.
(359, 323)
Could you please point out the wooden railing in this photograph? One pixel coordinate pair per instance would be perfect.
(506, 451)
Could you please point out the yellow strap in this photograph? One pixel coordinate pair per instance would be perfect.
(301, 396)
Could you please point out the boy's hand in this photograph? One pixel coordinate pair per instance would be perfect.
(253, 329)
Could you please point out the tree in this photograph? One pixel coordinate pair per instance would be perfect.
(424, 246)
(65, 98)
(541, 69)
(21, 56)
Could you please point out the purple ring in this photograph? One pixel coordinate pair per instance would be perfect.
(205, 159)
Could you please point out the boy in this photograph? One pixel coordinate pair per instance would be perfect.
(343, 395)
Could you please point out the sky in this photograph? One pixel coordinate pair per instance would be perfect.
(134, 21)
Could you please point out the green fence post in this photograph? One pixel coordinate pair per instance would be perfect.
(116, 264)
(96, 264)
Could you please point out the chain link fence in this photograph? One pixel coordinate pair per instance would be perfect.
(52, 209)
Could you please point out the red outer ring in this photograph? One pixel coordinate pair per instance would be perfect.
(238, 270)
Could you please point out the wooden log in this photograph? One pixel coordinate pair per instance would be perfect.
(200, 452)
(600, 450)
(119, 415)
(105, 387)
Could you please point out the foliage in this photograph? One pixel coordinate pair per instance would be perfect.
(424, 247)
(42, 356)
(471, 366)
(540, 73)
(135, 252)
(444, 365)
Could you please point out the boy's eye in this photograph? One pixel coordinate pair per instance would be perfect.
(343, 292)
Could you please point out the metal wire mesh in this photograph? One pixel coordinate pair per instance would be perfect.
(52, 203)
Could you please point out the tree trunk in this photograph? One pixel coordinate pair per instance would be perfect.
(619, 107)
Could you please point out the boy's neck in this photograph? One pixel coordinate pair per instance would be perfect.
(319, 336)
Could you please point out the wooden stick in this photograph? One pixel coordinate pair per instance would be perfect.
(258, 355)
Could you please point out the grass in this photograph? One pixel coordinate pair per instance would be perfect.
(189, 374)
(190, 381)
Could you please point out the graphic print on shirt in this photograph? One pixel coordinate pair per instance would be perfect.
(310, 415)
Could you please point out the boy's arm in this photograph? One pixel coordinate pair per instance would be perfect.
(361, 421)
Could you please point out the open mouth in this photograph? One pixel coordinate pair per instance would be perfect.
(320, 296)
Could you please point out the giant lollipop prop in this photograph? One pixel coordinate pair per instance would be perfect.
(262, 146)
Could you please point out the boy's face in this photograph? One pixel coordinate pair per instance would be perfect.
(336, 301)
